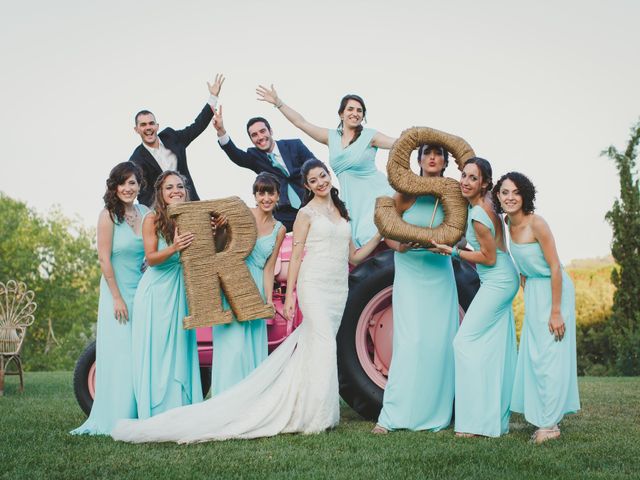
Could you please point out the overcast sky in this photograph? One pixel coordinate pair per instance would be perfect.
(540, 87)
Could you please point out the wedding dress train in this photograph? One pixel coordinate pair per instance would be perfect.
(296, 388)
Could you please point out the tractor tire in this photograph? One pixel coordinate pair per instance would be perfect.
(370, 289)
(357, 388)
(205, 379)
(84, 378)
(83, 375)
(467, 282)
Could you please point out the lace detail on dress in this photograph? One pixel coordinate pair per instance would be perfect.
(327, 240)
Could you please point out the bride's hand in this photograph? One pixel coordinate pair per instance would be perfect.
(289, 307)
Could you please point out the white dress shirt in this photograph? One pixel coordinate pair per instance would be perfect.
(165, 157)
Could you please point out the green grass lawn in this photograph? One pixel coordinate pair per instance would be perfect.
(602, 441)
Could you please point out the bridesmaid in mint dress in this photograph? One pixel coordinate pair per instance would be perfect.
(239, 347)
(546, 383)
(485, 345)
(420, 388)
(166, 371)
(352, 151)
(121, 255)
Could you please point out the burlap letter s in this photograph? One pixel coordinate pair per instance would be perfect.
(206, 271)
(402, 179)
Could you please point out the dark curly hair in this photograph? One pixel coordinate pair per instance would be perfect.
(343, 105)
(485, 170)
(266, 182)
(525, 187)
(308, 194)
(118, 175)
(165, 225)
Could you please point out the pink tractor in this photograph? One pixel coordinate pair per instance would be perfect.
(364, 338)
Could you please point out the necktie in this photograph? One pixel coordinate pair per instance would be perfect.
(294, 199)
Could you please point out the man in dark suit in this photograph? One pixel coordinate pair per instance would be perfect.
(167, 150)
(283, 158)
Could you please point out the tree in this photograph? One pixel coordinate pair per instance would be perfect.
(56, 258)
(624, 218)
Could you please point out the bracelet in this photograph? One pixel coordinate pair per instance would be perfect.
(455, 253)
(279, 106)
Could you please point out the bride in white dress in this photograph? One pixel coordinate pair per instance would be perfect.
(296, 388)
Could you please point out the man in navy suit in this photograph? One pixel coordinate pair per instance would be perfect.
(167, 150)
(283, 158)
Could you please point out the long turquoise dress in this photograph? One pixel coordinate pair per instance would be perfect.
(166, 371)
(485, 346)
(239, 347)
(546, 383)
(360, 181)
(114, 386)
(420, 389)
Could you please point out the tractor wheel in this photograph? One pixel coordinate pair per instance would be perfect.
(205, 379)
(365, 336)
(84, 378)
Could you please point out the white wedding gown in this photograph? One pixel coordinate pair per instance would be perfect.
(296, 388)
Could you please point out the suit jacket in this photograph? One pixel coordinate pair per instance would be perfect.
(294, 153)
(177, 141)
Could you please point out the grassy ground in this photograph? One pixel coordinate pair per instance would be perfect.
(601, 442)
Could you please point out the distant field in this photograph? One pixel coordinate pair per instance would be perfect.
(600, 442)
(594, 292)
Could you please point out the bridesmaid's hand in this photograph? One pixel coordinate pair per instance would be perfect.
(268, 95)
(404, 247)
(180, 242)
(218, 222)
(120, 310)
(441, 249)
(556, 326)
(289, 308)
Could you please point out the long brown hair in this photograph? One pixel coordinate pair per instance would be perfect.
(164, 224)
(308, 194)
(118, 175)
(343, 105)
